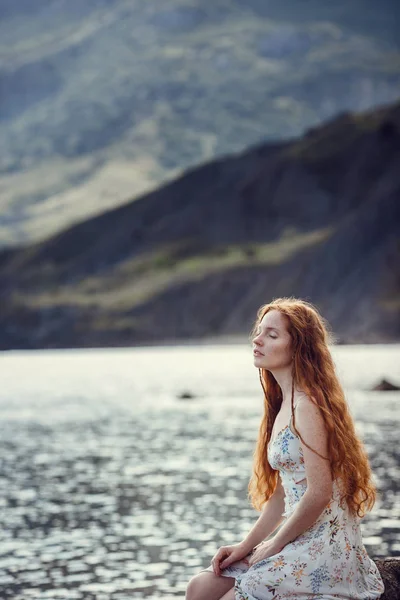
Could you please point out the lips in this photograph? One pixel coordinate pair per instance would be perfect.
(257, 353)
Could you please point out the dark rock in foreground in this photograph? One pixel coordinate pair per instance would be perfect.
(389, 569)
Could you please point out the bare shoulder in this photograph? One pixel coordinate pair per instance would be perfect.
(306, 406)
(309, 420)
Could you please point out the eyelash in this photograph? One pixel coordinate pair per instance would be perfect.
(272, 336)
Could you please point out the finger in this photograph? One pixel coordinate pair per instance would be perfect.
(215, 566)
(226, 561)
(254, 559)
(219, 558)
(216, 557)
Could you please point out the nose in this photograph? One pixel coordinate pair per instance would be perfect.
(257, 341)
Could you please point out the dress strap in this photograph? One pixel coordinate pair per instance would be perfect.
(293, 409)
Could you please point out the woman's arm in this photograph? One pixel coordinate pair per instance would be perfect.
(310, 424)
(269, 519)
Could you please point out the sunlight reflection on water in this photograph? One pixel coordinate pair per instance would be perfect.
(113, 487)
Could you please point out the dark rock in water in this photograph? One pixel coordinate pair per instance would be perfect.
(389, 569)
(185, 395)
(385, 386)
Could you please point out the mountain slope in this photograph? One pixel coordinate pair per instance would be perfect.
(103, 101)
(317, 217)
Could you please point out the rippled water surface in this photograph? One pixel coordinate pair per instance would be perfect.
(113, 487)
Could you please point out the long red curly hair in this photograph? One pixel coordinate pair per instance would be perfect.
(314, 373)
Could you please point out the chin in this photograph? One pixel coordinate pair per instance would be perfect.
(258, 360)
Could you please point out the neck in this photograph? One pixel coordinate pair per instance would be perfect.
(284, 378)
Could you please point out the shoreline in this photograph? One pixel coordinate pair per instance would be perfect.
(223, 340)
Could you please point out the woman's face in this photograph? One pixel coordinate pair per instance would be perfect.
(272, 344)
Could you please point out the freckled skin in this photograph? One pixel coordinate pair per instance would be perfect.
(274, 342)
(276, 355)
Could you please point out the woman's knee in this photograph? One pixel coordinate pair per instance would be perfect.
(196, 589)
(208, 586)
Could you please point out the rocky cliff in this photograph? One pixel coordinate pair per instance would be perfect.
(315, 217)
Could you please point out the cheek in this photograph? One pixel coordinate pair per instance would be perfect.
(280, 347)
(283, 347)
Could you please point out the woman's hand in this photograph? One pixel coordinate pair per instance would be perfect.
(264, 550)
(227, 555)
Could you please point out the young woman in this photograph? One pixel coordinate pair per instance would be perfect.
(311, 477)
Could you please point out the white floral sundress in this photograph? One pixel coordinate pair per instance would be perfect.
(328, 561)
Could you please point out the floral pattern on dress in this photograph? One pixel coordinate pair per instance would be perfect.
(318, 576)
(328, 560)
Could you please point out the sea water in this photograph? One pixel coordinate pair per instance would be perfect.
(114, 486)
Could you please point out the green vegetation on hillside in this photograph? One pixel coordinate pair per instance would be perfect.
(139, 279)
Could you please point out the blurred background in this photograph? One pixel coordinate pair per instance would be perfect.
(166, 167)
